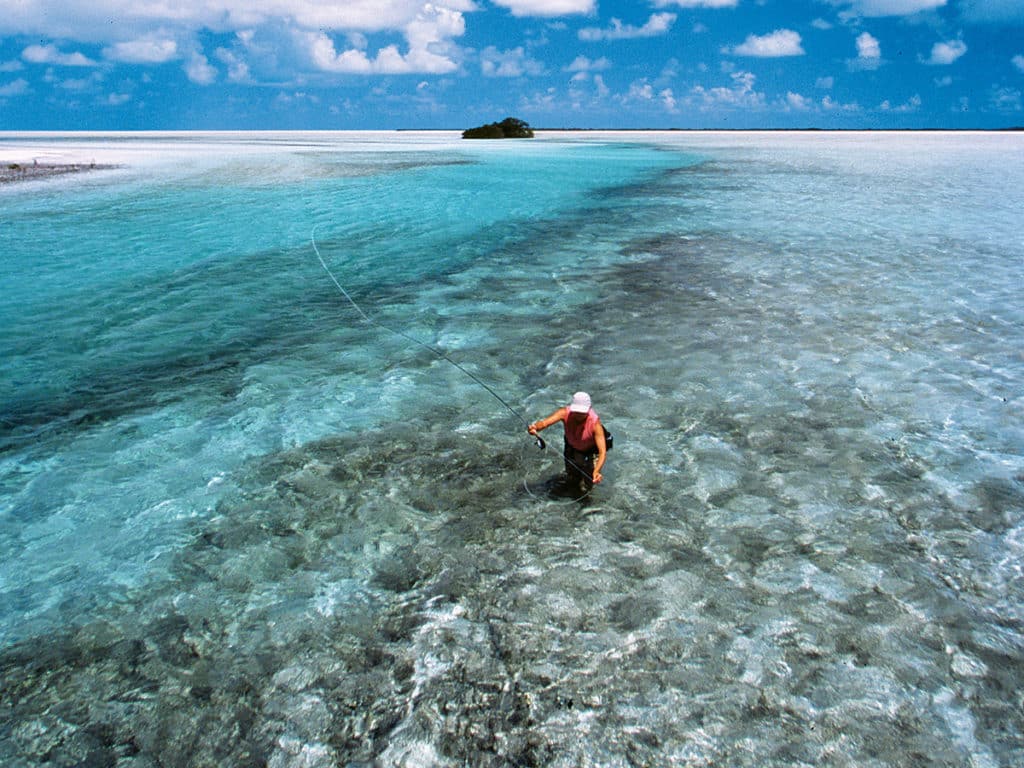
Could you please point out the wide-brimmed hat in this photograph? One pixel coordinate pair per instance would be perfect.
(580, 403)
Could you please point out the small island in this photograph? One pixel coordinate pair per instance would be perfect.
(509, 128)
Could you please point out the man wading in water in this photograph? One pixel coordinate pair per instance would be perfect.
(585, 444)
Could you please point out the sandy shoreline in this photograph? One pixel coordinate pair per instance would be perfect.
(15, 172)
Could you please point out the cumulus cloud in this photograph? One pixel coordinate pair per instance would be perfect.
(161, 31)
(238, 68)
(583, 64)
(668, 100)
(547, 8)
(781, 42)
(388, 61)
(947, 53)
(740, 95)
(869, 52)
(912, 105)
(643, 91)
(539, 102)
(868, 46)
(430, 48)
(286, 100)
(596, 95)
(513, 63)
(875, 8)
(49, 54)
(797, 103)
(14, 88)
(640, 91)
(1005, 99)
(78, 84)
(831, 105)
(199, 70)
(145, 51)
(91, 19)
(1018, 62)
(658, 24)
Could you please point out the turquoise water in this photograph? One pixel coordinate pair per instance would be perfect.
(164, 329)
(265, 531)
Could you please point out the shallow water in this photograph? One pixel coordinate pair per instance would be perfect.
(241, 526)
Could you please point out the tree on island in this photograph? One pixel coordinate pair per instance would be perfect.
(509, 128)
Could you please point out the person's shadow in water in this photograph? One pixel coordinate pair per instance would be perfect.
(561, 488)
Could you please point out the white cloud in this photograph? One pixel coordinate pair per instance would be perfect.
(670, 71)
(583, 64)
(781, 42)
(78, 84)
(430, 48)
(540, 102)
(825, 83)
(326, 57)
(797, 102)
(668, 100)
(1018, 62)
(298, 97)
(876, 8)
(643, 91)
(868, 46)
(869, 53)
(199, 70)
(513, 63)
(12, 66)
(947, 53)
(14, 88)
(697, 3)
(547, 8)
(117, 99)
(821, 24)
(113, 21)
(943, 82)
(831, 105)
(740, 95)
(1006, 99)
(153, 32)
(657, 24)
(238, 69)
(49, 54)
(912, 105)
(145, 51)
(429, 38)
(640, 91)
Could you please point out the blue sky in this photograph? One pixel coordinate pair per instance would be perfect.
(358, 64)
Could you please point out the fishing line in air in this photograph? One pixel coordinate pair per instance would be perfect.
(438, 353)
